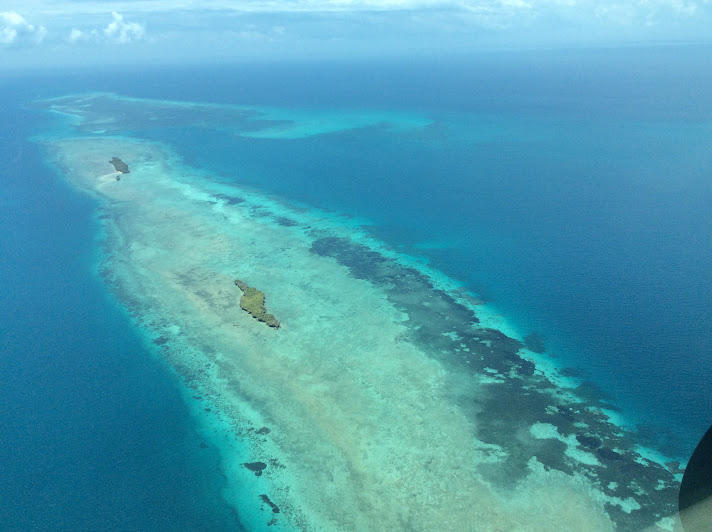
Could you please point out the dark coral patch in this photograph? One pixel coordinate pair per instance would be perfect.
(535, 342)
(272, 505)
(506, 409)
(525, 368)
(588, 441)
(571, 372)
(276, 463)
(285, 222)
(608, 454)
(255, 467)
(230, 200)
(566, 413)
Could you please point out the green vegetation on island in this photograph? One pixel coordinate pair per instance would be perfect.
(253, 301)
(119, 165)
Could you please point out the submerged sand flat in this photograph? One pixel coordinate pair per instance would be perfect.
(382, 402)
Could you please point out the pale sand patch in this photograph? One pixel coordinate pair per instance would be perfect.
(364, 421)
(574, 451)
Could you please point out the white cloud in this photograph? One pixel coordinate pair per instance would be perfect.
(121, 32)
(118, 31)
(77, 35)
(214, 25)
(16, 31)
(681, 6)
(61, 7)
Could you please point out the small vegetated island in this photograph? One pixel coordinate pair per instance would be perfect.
(253, 302)
(119, 165)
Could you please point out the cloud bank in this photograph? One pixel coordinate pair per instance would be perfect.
(16, 31)
(118, 31)
(54, 7)
(213, 30)
(121, 32)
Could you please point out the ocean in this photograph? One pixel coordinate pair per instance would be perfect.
(95, 434)
(567, 191)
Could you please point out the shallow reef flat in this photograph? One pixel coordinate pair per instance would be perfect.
(105, 112)
(385, 400)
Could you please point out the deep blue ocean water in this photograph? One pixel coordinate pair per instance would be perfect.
(586, 218)
(94, 434)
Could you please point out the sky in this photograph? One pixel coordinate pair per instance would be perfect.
(46, 33)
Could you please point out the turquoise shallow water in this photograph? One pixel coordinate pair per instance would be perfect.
(581, 217)
(381, 364)
(590, 232)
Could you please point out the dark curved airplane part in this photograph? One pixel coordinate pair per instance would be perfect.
(695, 499)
